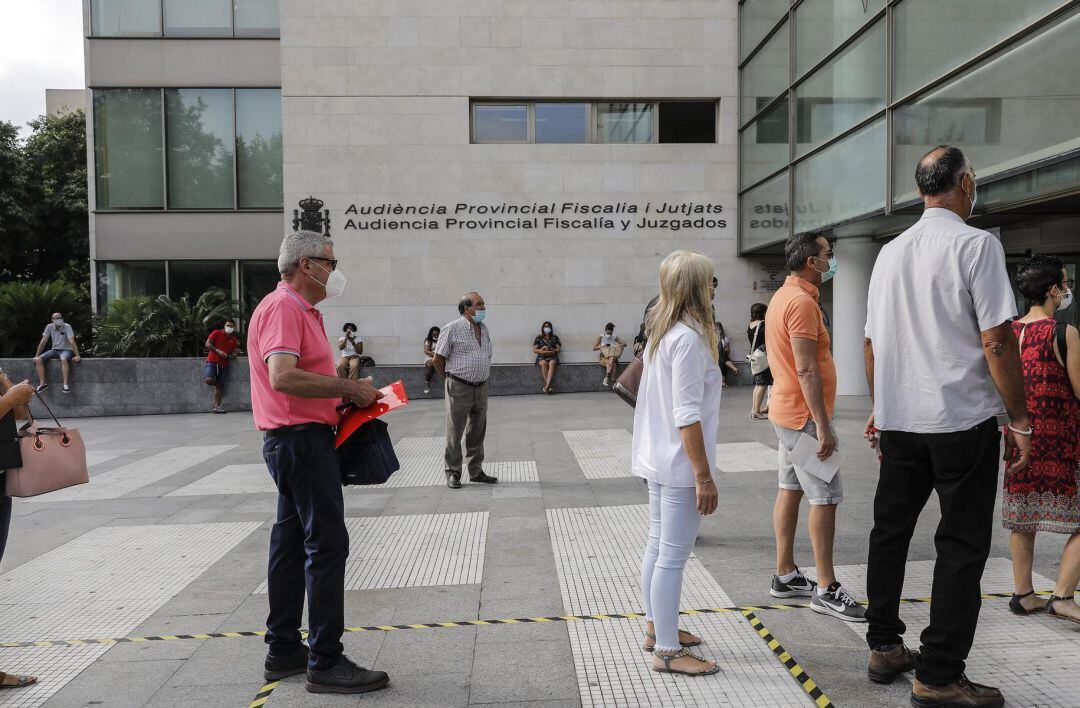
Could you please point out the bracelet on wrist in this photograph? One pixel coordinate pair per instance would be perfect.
(1025, 433)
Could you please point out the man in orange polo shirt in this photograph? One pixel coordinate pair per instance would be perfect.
(294, 392)
(803, 397)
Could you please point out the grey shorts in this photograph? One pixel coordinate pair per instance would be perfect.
(817, 491)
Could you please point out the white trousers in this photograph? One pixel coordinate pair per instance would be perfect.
(673, 528)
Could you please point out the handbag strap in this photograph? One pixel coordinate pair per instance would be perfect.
(34, 420)
(757, 335)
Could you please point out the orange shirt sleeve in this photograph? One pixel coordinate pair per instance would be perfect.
(802, 318)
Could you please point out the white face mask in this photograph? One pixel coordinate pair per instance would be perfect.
(1066, 300)
(58, 321)
(547, 330)
(335, 283)
(229, 330)
(974, 196)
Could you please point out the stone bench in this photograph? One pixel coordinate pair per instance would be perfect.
(108, 387)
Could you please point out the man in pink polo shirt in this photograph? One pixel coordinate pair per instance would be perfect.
(294, 392)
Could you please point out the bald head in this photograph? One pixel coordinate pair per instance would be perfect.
(946, 180)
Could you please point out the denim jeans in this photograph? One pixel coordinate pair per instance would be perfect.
(308, 546)
(673, 528)
(962, 467)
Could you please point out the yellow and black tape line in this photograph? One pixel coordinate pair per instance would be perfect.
(263, 695)
(811, 688)
(457, 623)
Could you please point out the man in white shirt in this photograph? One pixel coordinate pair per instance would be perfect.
(352, 347)
(941, 359)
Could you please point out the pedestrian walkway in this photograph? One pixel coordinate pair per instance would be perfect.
(147, 587)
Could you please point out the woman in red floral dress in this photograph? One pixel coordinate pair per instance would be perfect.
(1045, 496)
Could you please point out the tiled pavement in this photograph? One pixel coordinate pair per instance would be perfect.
(170, 539)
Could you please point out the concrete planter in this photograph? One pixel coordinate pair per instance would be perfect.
(107, 387)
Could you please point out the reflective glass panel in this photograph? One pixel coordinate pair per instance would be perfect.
(822, 25)
(932, 37)
(845, 91)
(129, 279)
(258, 148)
(501, 123)
(125, 18)
(765, 144)
(845, 180)
(767, 75)
(257, 18)
(756, 18)
(193, 278)
(562, 122)
(199, 128)
(624, 122)
(1017, 108)
(764, 213)
(128, 149)
(1044, 181)
(259, 278)
(198, 18)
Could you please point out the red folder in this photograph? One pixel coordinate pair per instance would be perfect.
(394, 396)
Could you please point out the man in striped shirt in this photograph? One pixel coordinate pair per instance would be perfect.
(463, 358)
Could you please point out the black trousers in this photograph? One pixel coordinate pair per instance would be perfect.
(308, 546)
(5, 517)
(962, 467)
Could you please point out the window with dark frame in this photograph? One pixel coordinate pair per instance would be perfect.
(688, 121)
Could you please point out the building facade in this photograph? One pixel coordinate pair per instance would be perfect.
(550, 153)
(840, 98)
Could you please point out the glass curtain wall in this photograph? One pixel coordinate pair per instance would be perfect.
(840, 98)
(185, 18)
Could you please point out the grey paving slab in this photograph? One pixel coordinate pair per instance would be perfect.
(513, 672)
(100, 683)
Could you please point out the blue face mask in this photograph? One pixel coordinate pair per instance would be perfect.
(831, 272)
(479, 315)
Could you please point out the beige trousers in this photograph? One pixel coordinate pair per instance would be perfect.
(466, 414)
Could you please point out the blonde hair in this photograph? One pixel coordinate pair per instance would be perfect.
(685, 278)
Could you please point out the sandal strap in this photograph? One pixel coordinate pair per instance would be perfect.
(1027, 594)
(649, 634)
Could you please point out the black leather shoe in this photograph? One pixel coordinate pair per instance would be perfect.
(346, 677)
(485, 479)
(276, 668)
(454, 481)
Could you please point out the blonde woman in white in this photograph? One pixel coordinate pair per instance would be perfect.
(675, 421)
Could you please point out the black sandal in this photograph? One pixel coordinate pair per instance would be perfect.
(1052, 613)
(668, 658)
(1017, 609)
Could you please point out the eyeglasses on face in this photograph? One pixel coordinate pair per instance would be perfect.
(332, 262)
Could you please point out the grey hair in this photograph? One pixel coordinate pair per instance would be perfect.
(297, 245)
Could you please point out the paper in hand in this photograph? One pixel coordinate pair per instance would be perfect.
(804, 456)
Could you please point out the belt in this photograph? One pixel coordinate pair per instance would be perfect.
(467, 383)
(300, 428)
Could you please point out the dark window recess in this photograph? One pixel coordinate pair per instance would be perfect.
(688, 122)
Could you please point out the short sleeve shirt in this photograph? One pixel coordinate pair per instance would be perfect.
(350, 347)
(934, 289)
(59, 338)
(285, 323)
(225, 342)
(794, 312)
(466, 358)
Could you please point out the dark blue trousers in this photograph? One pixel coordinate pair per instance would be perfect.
(308, 545)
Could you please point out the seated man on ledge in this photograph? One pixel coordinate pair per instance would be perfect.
(62, 345)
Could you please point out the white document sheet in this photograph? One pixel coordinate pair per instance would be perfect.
(804, 456)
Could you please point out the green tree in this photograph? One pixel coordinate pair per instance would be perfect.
(161, 327)
(13, 202)
(57, 231)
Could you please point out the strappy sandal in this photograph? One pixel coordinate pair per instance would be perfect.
(1053, 613)
(1018, 609)
(21, 680)
(683, 644)
(668, 658)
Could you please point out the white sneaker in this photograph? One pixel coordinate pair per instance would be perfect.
(67, 389)
(838, 602)
(427, 388)
(607, 382)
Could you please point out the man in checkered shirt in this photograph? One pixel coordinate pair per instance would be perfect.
(463, 358)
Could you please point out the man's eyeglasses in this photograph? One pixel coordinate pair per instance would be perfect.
(1070, 284)
(331, 261)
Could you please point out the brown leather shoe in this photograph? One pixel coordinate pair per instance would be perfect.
(961, 693)
(888, 663)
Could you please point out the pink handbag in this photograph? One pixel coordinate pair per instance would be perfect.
(52, 458)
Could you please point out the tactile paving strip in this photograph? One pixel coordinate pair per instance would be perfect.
(130, 477)
(79, 590)
(414, 550)
(745, 457)
(601, 454)
(598, 558)
(1034, 660)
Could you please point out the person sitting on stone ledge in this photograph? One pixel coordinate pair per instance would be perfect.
(62, 345)
(610, 348)
(429, 357)
(352, 347)
(547, 346)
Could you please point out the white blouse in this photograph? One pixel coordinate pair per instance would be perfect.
(680, 386)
